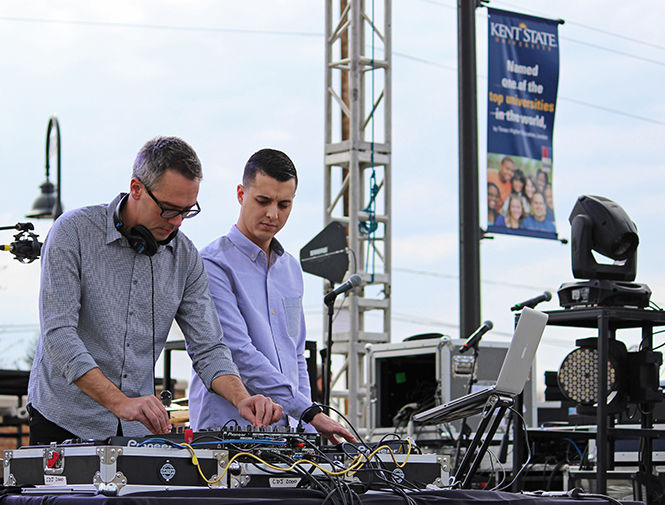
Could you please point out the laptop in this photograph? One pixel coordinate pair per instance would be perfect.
(512, 377)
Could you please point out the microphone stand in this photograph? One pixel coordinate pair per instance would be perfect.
(325, 380)
(465, 430)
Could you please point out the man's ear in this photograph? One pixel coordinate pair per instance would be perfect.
(135, 188)
(240, 191)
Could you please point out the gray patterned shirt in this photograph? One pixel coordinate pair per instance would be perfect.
(96, 310)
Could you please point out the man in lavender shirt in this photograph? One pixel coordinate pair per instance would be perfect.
(257, 288)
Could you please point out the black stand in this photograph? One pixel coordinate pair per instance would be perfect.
(607, 320)
(493, 412)
(325, 380)
(465, 430)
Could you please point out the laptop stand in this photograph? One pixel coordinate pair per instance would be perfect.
(493, 412)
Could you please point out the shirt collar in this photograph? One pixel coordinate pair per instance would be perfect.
(112, 233)
(248, 247)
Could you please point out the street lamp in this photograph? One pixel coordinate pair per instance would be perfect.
(48, 204)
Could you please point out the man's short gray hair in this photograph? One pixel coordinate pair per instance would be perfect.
(164, 153)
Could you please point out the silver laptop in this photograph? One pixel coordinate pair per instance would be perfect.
(512, 377)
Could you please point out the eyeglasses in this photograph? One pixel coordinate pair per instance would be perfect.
(168, 213)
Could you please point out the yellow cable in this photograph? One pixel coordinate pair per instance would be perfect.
(392, 455)
(355, 465)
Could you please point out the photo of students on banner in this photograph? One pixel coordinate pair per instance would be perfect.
(519, 196)
(522, 87)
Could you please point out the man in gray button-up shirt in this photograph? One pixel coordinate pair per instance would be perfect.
(114, 277)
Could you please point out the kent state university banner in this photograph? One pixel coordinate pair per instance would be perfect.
(523, 57)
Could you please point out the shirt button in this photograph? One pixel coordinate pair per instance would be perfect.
(253, 255)
(274, 312)
(127, 345)
(134, 281)
(131, 312)
(124, 375)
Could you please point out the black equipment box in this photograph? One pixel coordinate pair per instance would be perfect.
(216, 459)
(603, 293)
(112, 468)
(424, 373)
(182, 458)
(419, 470)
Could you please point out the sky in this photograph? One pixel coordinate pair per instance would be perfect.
(233, 77)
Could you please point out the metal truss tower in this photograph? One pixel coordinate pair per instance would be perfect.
(357, 181)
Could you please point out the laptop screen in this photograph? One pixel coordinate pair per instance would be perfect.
(519, 358)
(512, 377)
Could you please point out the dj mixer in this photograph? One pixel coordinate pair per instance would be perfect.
(225, 457)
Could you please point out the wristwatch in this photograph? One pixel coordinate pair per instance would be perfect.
(310, 412)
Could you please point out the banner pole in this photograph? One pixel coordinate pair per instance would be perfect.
(469, 227)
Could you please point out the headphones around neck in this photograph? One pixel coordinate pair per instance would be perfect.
(139, 237)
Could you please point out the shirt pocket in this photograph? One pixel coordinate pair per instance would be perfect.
(292, 308)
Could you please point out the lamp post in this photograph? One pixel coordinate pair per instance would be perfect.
(48, 204)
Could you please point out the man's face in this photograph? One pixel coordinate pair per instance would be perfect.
(506, 170)
(539, 209)
(173, 191)
(265, 205)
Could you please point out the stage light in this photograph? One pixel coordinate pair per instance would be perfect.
(578, 375)
(48, 204)
(600, 225)
(632, 377)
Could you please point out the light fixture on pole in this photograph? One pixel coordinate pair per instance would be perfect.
(48, 204)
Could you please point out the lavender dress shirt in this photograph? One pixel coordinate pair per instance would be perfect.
(261, 313)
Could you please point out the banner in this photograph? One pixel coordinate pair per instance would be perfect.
(523, 76)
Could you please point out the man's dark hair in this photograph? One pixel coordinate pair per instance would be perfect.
(271, 162)
(507, 159)
(164, 153)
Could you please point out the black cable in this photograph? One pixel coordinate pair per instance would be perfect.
(335, 480)
(353, 429)
(401, 441)
(528, 459)
(654, 305)
(339, 488)
(331, 486)
(394, 487)
(381, 469)
(658, 346)
(298, 469)
(152, 297)
(377, 466)
(232, 420)
(552, 475)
